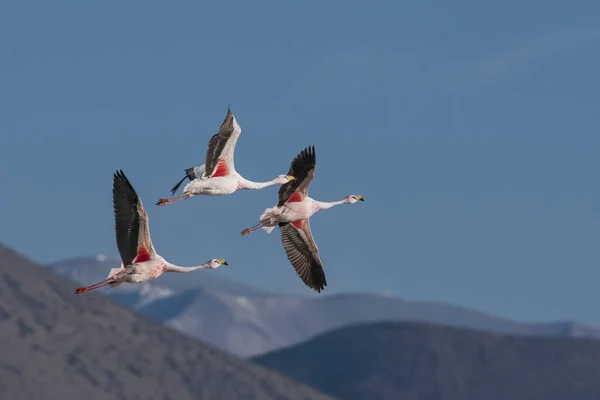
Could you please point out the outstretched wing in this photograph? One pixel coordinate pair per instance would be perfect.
(219, 155)
(303, 169)
(303, 253)
(131, 223)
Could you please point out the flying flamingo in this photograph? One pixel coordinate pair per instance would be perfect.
(292, 214)
(140, 261)
(218, 177)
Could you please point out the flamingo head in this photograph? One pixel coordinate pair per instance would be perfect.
(281, 179)
(216, 263)
(353, 198)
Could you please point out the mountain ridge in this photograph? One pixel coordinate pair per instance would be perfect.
(415, 361)
(271, 320)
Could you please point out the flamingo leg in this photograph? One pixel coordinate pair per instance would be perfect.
(164, 202)
(251, 229)
(94, 286)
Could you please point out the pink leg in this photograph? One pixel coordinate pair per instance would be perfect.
(94, 286)
(251, 229)
(164, 202)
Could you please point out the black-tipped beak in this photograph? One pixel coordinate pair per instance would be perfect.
(362, 199)
(225, 263)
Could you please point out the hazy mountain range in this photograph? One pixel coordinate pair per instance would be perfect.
(417, 361)
(60, 345)
(57, 345)
(247, 321)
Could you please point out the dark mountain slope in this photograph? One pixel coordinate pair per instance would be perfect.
(56, 345)
(415, 361)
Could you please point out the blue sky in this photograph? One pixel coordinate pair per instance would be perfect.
(471, 129)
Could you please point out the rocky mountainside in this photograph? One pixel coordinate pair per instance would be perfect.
(416, 361)
(247, 321)
(62, 346)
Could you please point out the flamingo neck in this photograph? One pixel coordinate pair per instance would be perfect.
(249, 185)
(176, 268)
(324, 205)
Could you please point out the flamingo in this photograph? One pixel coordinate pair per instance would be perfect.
(140, 262)
(218, 177)
(292, 214)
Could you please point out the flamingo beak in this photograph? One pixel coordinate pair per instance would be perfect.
(290, 178)
(223, 262)
(359, 198)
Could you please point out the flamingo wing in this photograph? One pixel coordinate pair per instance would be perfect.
(221, 146)
(303, 253)
(131, 223)
(303, 169)
(192, 173)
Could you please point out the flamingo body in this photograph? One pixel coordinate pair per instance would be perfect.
(218, 177)
(140, 262)
(292, 214)
(219, 186)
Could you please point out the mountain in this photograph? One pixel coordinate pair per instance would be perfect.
(416, 361)
(247, 321)
(59, 345)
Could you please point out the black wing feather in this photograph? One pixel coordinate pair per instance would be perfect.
(217, 143)
(301, 165)
(308, 268)
(189, 174)
(127, 219)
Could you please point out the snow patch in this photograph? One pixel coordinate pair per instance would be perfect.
(150, 293)
(246, 310)
(244, 302)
